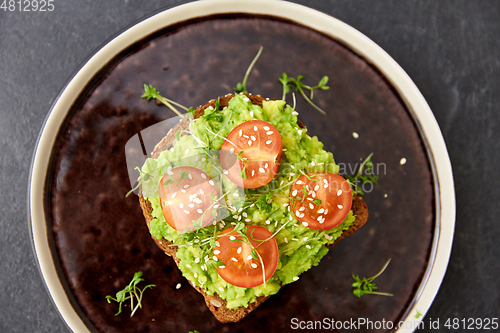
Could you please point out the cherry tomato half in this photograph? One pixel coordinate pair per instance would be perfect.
(251, 154)
(240, 267)
(321, 200)
(188, 198)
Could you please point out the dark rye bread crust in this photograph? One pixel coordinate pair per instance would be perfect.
(222, 313)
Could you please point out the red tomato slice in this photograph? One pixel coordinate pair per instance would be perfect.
(240, 269)
(251, 154)
(188, 198)
(334, 193)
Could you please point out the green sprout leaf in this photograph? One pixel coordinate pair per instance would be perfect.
(287, 82)
(363, 176)
(151, 93)
(132, 292)
(366, 286)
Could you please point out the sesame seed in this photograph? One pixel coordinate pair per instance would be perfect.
(269, 132)
(285, 204)
(253, 138)
(355, 135)
(191, 205)
(268, 142)
(325, 185)
(195, 275)
(254, 265)
(286, 240)
(316, 187)
(186, 186)
(173, 195)
(170, 173)
(217, 243)
(328, 237)
(255, 128)
(295, 113)
(385, 195)
(300, 132)
(253, 173)
(294, 193)
(305, 239)
(313, 163)
(246, 99)
(295, 278)
(231, 150)
(305, 224)
(251, 114)
(188, 266)
(321, 210)
(326, 211)
(203, 176)
(181, 205)
(197, 260)
(266, 128)
(311, 206)
(211, 182)
(340, 206)
(402, 161)
(301, 209)
(215, 302)
(234, 259)
(319, 218)
(215, 258)
(339, 192)
(249, 142)
(187, 151)
(190, 176)
(183, 190)
(222, 266)
(249, 257)
(239, 250)
(247, 220)
(299, 182)
(308, 246)
(241, 132)
(246, 136)
(301, 215)
(268, 222)
(232, 237)
(284, 149)
(297, 213)
(295, 239)
(186, 212)
(261, 170)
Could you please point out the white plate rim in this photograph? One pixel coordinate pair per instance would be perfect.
(355, 40)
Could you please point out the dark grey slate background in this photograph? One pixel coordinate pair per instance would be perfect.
(451, 50)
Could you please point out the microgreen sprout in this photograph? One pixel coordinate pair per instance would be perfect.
(131, 291)
(366, 285)
(143, 177)
(287, 82)
(242, 86)
(151, 93)
(364, 175)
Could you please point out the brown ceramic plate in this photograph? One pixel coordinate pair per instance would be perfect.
(89, 239)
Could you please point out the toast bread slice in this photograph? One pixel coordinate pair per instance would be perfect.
(216, 304)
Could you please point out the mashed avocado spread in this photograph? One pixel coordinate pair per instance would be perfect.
(300, 247)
